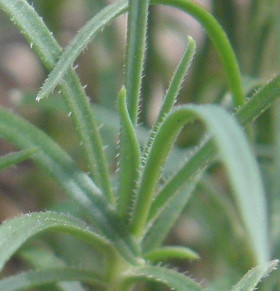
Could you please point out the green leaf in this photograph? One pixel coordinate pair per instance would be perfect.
(28, 280)
(14, 158)
(42, 41)
(135, 53)
(177, 80)
(62, 168)
(238, 159)
(212, 27)
(15, 232)
(43, 258)
(170, 278)
(220, 41)
(79, 43)
(254, 276)
(205, 154)
(164, 214)
(173, 89)
(129, 158)
(167, 253)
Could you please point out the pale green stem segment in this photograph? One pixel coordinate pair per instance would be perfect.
(40, 38)
(135, 53)
(129, 158)
(220, 41)
(33, 279)
(167, 253)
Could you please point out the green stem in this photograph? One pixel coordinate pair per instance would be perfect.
(220, 41)
(137, 27)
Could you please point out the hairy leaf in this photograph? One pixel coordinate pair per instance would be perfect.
(16, 231)
(170, 278)
(237, 157)
(86, 34)
(32, 279)
(62, 168)
(44, 44)
(254, 276)
(14, 158)
(129, 158)
(164, 215)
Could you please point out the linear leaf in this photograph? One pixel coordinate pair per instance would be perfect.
(170, 278)
(254, 276)
(80, 42)
(15, 232)
(167, 253)
(207, 153)
(209, 23)
(41, 40)
(220, 41)
(174, 88)
(32, 279)
(238, 159)
(135, 53)
(43, 258)
(62, 168)
(202, 157)
(14, 158)
(163, 217)
(177, 80)
(129, 158)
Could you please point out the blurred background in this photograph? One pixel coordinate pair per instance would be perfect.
(210, 224)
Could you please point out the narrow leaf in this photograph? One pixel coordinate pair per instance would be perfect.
(254, 276)
(206, 153)
(177, 80)
(170, 278)
(26, 226)
(62, 168)
(23, 15)
(135, 52)
(220, 41)
(79, 43)
(167, 253)
(173, 89)
(163, 217)
(14, 158)
(29, 280)
(43, 258)
(238, 159)
(129, 158)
